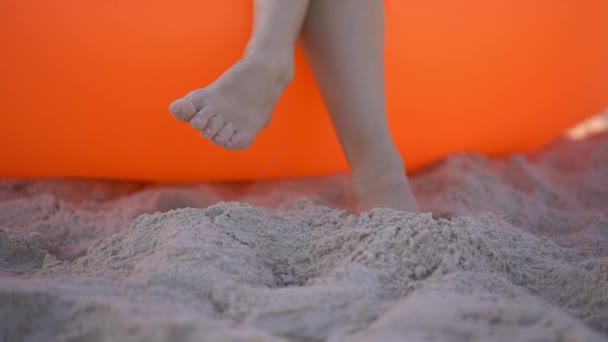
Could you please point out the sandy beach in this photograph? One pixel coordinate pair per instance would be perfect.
(508, 249)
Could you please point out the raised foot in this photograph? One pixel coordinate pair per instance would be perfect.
(233, 110)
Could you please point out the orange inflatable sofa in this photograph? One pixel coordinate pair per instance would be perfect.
(86, 85)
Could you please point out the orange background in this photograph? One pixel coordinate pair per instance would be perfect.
(86, 84)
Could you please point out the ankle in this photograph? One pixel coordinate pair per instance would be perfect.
(279, 65)
(383, 183)
(374, 165)
(379, 172)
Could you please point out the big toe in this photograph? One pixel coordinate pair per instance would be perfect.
(182, 109)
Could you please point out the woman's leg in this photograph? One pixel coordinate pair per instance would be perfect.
(344, 44)
(233, 109)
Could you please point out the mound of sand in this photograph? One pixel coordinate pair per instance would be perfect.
(523, 257)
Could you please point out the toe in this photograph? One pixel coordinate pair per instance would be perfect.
(197, 98)
(223, 136)
(213, 126)
(182, 109)
(239, 141)
(201, 119)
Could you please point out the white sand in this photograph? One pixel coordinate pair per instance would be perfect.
(525, 260)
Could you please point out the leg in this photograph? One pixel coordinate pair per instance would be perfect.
(232, 110)
(344, 42)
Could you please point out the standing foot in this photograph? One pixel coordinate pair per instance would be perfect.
(382, 183)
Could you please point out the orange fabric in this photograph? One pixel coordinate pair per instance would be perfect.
(86, 84)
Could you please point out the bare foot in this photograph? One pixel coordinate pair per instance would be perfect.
(234, 109)
(383, 185)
